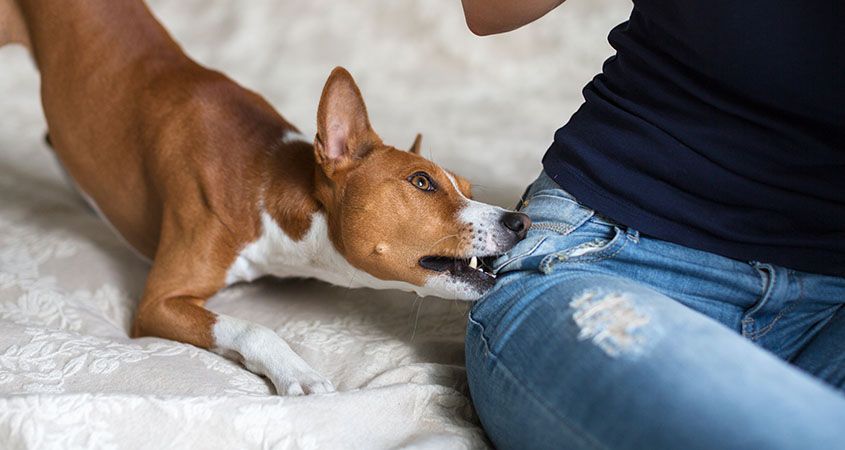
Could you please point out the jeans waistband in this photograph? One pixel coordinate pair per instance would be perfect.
(551, 208)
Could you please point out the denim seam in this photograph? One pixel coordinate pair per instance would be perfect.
(768, 328)
(765, 330)
(562, 229)
(555, 193)
(576, 431)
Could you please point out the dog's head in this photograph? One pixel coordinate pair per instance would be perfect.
(396, 215)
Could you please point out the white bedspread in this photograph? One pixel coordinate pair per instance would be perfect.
(69, 375)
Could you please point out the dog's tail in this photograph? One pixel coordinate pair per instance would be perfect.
(12, 26)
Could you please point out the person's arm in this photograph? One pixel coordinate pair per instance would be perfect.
(485, 17)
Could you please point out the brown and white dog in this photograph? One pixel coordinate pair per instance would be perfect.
(206, 180)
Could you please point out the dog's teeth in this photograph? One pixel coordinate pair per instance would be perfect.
(473, 262)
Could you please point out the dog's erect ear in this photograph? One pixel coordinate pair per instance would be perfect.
(344, 134)
(415, 147)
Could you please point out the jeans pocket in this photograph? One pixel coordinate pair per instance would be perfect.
(544, 249)
(595, 242)
(560, 224)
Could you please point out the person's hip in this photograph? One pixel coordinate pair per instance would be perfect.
(567, 238)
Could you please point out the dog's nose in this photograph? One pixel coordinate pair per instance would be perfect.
(516, 222)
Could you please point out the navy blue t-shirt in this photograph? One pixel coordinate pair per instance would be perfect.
(719, 125)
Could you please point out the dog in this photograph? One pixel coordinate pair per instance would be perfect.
(207, 181)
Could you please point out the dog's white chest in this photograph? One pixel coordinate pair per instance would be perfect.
(275, 253)
(313, 256)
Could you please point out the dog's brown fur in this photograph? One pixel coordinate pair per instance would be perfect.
(179, 158)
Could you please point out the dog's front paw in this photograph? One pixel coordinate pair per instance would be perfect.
(263, 352)
(301, 381)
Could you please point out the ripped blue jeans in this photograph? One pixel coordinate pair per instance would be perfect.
(598, 337)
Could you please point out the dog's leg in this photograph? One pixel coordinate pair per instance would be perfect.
(82, 196)
(12, 26)
(261, 350)
(178, 285)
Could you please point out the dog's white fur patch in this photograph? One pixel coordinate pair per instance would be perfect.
(264, 352)
(314, 256)
(486, 227)
(449, 287)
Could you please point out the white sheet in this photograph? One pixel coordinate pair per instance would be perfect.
(70, 377)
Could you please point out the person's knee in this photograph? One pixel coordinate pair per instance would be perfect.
(513, 412)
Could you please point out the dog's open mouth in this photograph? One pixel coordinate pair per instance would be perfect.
(473, 268)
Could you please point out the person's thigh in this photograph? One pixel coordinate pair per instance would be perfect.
(583, 360)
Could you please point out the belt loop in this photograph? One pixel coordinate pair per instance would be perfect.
(633, 235)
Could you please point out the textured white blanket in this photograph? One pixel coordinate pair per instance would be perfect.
(69, 375)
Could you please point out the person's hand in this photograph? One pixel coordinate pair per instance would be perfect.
(485, 17)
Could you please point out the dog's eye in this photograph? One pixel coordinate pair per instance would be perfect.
(422, 181)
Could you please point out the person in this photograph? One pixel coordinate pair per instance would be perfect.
(683, 282)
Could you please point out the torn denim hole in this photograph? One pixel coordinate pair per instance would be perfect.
(610, 320)
(586, 247)
(547, 265)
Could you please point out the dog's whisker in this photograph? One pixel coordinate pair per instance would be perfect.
(413, 306)
(443, 239)
(416, 319)
(349, 287)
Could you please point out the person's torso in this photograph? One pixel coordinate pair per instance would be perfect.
(719, 125)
